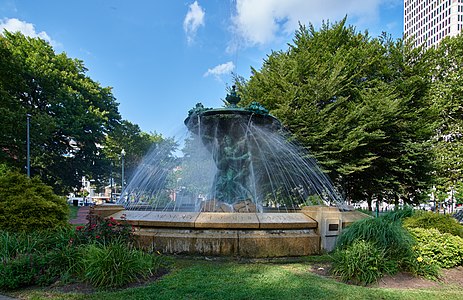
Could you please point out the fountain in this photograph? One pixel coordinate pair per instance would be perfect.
(242, 188)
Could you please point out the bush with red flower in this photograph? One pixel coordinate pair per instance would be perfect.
(104, 231)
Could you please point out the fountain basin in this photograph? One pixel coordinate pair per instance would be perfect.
(253, 235)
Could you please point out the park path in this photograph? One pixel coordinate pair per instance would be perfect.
(81, 218)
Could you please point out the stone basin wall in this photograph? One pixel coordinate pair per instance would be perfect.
(254, 235)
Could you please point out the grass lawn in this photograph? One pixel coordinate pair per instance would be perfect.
(200, 279)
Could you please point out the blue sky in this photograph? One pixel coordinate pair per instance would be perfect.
(163, 56)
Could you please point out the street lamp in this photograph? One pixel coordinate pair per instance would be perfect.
(122, 159)
(111, 180)
(28, 163)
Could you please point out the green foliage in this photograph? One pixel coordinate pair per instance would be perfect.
(381, 232)
(19, 272)
(70, 114)
(421, 266)
(4, 169)
(399, 214)
(443, 249)
(116, 264)
(357, 103)
(446, 95)
(366, 211)
(396, 244)
(73, 211)
(362, 262)
(26, 204)
(442, 222)
(104, 231)
(42, 258)
(36, 258)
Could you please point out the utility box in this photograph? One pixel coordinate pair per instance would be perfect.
(329, 232)
(329, 221)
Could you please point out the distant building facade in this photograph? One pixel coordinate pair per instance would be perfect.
(427, 22)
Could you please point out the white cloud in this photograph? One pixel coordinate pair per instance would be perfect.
(219, 70)
(259, 22)
(193, 20)
(28, 29)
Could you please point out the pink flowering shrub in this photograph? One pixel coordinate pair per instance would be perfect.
(104, 231)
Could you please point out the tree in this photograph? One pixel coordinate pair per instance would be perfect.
(446, 95)
(70, 113)
(356, 104)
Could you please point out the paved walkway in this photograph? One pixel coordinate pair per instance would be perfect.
(5, 298)
(81, 217)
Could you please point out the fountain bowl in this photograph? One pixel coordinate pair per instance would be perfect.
(312, 230)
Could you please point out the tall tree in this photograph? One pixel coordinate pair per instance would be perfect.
(70, 113)
(351, 100)
(447, 95)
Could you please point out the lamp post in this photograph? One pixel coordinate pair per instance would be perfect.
(111, 181)
(122, 160)
(28, 163)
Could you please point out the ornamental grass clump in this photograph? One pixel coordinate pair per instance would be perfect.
(117, 264)
(387, 235)
(391, 247)
(39, 258)
(42, 258)
(362, 262)
(399, 214)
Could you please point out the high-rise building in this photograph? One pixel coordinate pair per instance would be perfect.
(427, 22)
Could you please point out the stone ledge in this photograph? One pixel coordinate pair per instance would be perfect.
(227, 220)
(106, 210)
(285, 221)
(204, 220)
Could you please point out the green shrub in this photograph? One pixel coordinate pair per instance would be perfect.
(42, 258)
(444, 249)
(4, 169)
(35, 268)
(383, 233)
(61, 264)
(362, 262)
(28, 205)
(105, 230)
(421, 266)
(117, 264)
(12, 244)
(37, 257)
(20, 271)
(443, 223)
